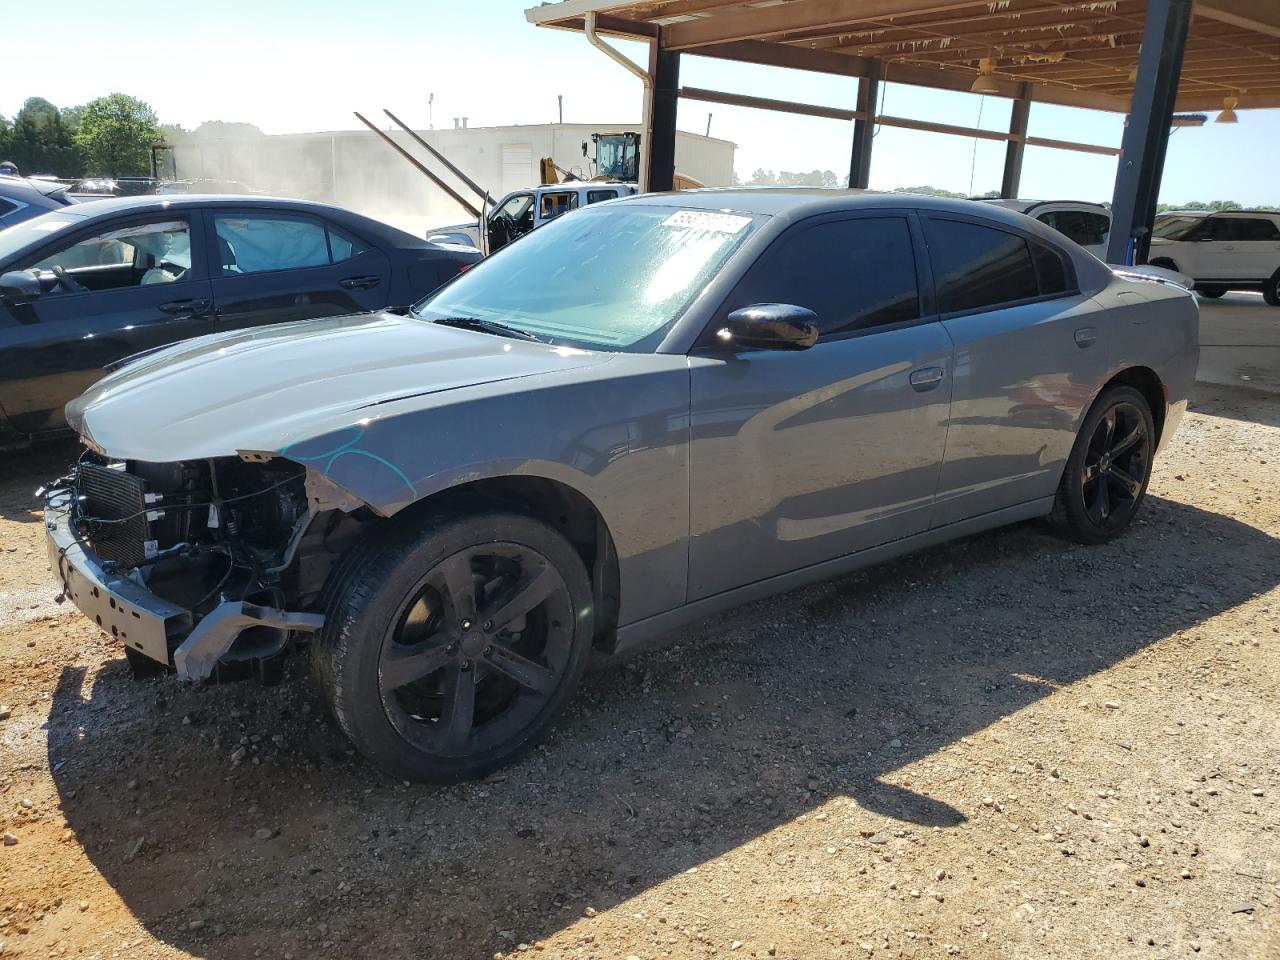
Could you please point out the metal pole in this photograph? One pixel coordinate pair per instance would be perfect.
(1146, 133)
(560, 105)
(480, 191)
(1017, 146)
(660, 152)
(462, 202)
(864, 128)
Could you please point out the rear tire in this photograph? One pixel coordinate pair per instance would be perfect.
(1211, 293)
(1271, 290)
(1106, 476)
(449, 647)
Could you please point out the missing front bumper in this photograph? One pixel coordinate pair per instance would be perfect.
(121, 607)
(149, 624)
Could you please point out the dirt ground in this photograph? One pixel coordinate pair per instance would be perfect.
(1009, 747)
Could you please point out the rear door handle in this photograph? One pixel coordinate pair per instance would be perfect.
(359, 283)
(1086, 337)
(926, 378)
(185, 308)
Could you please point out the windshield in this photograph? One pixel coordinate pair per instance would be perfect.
(19, 237)
(1175, 228)
(613, 277)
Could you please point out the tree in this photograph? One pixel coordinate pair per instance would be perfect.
(789, 178)
(40, 140)
(931, 192)
(115, 135)
(226, 130)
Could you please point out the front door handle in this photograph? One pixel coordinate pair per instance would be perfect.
(185, 308)
(1086, 337)
(359, 283)
(926, 378)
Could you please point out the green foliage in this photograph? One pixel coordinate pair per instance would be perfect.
(40, 140)
(936, 192)
(115, 135)
(1214, 206)
(787, 178)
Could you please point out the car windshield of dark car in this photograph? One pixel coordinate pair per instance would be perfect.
(1176, 228)
(613, 277)
(19, 237)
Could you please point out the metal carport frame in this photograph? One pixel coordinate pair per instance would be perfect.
(1145, 58)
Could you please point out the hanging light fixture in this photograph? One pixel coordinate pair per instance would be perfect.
(985, 82)
(1228, 114)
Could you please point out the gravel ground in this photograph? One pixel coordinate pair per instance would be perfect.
(1009, 747)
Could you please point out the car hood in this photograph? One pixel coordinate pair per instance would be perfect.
(264, 388)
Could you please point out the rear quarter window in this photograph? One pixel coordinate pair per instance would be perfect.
(976, 266)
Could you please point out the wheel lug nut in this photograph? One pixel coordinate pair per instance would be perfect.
(488, 651)
(466, 624)
(488, 626)
(451, 648)
(466, 665)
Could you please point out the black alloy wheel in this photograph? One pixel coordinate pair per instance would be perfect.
(478, 650)
(1106, 476)
(450, 645)
(1116, 466)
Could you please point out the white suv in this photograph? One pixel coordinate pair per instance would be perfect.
(1088, 224)
(1221, 251)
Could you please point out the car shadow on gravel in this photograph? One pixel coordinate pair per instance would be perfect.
(233, 819)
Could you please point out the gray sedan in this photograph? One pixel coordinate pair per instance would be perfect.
(643, 413)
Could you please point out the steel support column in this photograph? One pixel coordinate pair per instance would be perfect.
(1017, 144)
(1146, 132)
(864, 127)
(664, 67)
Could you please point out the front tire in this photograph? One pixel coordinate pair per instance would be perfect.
(1106, 476)
(449, 648)
(1211, 293)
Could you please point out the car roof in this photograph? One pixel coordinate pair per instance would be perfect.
(20, 188)
(145, 202)
(1026, 206)
(798, 202)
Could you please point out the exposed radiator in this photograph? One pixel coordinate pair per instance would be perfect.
(111, 494)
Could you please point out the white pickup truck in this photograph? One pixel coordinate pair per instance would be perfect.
(523, 210)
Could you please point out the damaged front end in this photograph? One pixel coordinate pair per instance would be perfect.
(210, 567)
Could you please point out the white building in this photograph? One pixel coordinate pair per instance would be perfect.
(355, 169)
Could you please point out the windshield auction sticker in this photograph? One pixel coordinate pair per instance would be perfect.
(706, 220)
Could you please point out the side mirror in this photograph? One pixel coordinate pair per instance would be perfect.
(770, 326)
(19, 286)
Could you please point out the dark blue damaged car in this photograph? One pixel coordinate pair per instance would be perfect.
(638, 415)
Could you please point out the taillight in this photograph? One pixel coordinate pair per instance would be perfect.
(465, 267)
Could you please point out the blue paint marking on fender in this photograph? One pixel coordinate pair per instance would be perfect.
(346, 448)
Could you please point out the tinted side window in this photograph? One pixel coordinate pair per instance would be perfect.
(1229, 228)
(1084, 228)
(976, 266)
(1259, 228)
(7, 206)
(595, 196)
(1052, 270)
(853, 274)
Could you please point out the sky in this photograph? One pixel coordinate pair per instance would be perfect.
(289, 66)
